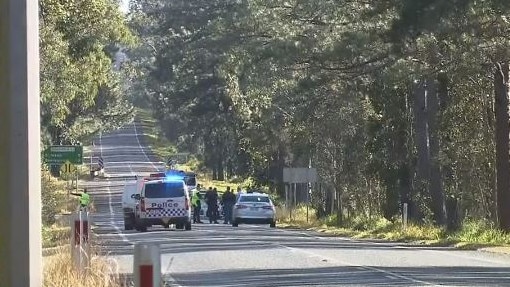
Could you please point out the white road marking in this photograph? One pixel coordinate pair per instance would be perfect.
(112, 215)
(424, 249)
(371, 268)
(166, 275)
(390, 245)
(142, 149)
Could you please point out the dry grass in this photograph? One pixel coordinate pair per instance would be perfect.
(59, 271)
(379, 228)
(472, 234)
(297, 217)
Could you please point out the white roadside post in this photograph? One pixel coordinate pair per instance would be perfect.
(147, 265)
(404, 216)
(80, 240)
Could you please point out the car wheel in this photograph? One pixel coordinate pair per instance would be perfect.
(141, 227)
(129, 223)
(187, 226)
(179, 226)
(272, 224)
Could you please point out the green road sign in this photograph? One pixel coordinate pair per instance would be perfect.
(59, 154)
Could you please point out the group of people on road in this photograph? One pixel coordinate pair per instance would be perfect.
(211, 197)
(213, 201)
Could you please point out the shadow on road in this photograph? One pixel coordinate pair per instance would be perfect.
(348, 276)
(226, 238)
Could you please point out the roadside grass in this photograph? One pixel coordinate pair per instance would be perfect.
(59, 271)
(54, 235)
(472, 235)
(156, 140)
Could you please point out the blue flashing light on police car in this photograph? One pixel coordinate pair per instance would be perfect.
(173, 177)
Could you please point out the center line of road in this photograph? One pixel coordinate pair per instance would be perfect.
(142, 149)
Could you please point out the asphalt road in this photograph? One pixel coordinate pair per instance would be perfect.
(220, 255)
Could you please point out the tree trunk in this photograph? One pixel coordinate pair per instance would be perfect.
(339, 215)
(214, 173)
(420, 122)
(435, 183)
(501, 81)
(221, 171)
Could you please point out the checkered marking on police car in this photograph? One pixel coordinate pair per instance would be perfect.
(180, 212)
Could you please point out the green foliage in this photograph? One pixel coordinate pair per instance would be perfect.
(52, 197)
(54, 236)
(482, 232)
(80, 93)
(251, 87)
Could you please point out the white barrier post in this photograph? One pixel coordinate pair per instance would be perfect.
(147, 265)
(80, 245)
(404, 219)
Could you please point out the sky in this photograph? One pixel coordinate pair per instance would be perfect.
(124, 5)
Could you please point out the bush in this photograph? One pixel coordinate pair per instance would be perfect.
(478, 231)
(52, 196)
(54, 236)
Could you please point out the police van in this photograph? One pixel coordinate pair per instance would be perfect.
(163, 202)
(129, 202)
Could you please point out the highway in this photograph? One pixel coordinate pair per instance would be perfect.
(220, 255)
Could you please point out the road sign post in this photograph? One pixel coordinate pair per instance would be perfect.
(301, 175)
(100, 163)
(68, 168)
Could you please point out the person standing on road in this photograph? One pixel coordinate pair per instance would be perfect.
(211, 198)
(196, 202)
(239, 191)
(228, 199)
(206, 198)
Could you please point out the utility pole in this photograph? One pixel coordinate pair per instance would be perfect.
(20, 157)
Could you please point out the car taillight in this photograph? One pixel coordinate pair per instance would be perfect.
(142, 204)
(241, 206)
(267, 207)
(186, 204)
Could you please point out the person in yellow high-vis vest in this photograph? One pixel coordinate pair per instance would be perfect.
(197, 205)
(84, 198)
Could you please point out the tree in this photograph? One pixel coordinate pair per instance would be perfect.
(78, 87)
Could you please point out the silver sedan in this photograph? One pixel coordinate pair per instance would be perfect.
(254, 208)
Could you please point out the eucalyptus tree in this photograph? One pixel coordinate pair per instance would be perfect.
(79, 90)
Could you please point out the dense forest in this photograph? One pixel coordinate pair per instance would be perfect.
(400, 101)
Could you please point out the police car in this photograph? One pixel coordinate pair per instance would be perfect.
(163, 202)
